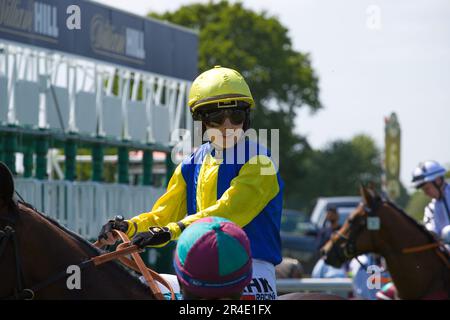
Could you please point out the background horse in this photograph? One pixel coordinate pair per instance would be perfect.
(41, 249)
(419, 267)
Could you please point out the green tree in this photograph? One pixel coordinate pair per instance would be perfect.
(404, 197)
(281, 79)
(416, 205)
(257, 45)
(338, 169)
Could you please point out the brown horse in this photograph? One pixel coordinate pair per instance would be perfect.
(418, 264)
(35, 252)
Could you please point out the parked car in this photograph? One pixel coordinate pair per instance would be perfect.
(299, 232)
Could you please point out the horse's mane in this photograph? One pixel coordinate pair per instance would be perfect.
(86, 245)
(418, 225)
(80, 240)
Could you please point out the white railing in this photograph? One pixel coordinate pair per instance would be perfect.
(338, 286)
(85, 206)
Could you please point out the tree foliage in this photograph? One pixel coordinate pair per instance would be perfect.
(282, 81)
(338, 170)
(257, 45)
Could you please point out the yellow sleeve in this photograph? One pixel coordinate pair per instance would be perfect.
(249, 192)
(171, 206)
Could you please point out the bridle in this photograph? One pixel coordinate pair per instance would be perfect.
(8, 234)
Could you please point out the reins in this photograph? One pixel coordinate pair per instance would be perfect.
(137, 264)
(427, 247)
(124, 249)
(435, 244)
(421, 248)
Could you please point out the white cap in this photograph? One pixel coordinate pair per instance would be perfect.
(426, 172)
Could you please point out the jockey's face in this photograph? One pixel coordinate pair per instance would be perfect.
(225, 135)
(430, 190)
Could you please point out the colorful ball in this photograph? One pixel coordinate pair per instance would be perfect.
(213, 258)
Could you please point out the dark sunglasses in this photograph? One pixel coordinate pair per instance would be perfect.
(216, 118)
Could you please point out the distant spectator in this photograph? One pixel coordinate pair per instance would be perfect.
(323, 270)
(289, 268)
(331, 225)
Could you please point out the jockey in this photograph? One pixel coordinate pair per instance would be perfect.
(229, 176)
(202, 260)
(430, 177)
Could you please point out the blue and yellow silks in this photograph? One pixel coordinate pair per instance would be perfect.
(242, 185)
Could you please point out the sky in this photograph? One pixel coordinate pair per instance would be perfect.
(372, 58)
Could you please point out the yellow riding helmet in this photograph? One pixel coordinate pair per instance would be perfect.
(220, 85)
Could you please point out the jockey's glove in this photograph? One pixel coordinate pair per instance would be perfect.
(154, 237)
(118, 223)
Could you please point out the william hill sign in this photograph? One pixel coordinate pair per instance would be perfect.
(104, 34)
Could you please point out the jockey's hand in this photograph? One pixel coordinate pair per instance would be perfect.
(154, 237)
(106, 237)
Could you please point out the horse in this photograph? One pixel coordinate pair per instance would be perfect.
(418, 263)
(35, 252)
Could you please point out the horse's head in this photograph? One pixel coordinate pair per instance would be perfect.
(357, 235)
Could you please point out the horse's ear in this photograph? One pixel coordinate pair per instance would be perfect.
(366, 195)
(376, 196)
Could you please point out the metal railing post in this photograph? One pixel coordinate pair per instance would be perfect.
(123, 163)
(42, 145)
(28, 158)
(97, 162)
(148, 168)
(70, 151)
